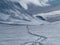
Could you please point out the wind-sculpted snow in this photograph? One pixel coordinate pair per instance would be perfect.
(21, 35)
(28, 22)
(52, 16)
(13, 12)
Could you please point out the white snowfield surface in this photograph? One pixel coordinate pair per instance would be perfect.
(50, 16)
(19, 35)
(19, 27)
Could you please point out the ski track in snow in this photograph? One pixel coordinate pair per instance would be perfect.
(33, 31)
(14, 35)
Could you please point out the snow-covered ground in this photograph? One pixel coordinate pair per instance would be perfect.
(30, 22)
(15, 35)
(18, 34)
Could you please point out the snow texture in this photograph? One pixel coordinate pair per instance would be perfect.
(29, 22)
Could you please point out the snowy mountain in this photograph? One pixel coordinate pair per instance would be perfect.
(40, 19)
(13, 12)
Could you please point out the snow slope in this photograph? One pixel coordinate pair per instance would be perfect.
(19, 26)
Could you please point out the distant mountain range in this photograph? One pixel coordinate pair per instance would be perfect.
(12, 11)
